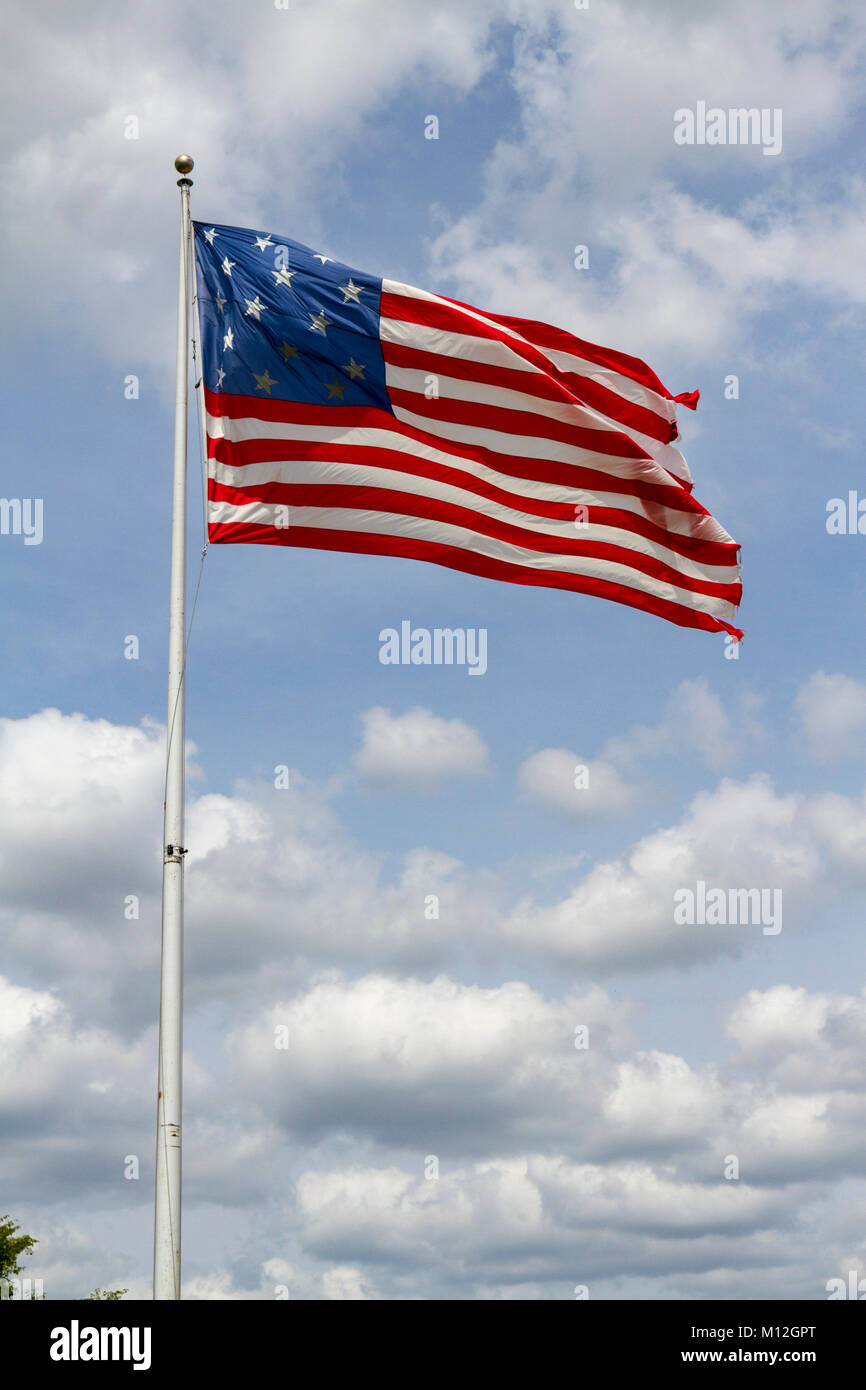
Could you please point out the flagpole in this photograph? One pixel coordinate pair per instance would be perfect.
(167, 1194)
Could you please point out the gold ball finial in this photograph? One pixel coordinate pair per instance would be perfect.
(184, 164)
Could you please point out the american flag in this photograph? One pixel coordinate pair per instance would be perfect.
(348, 412)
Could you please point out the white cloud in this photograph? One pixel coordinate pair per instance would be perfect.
(687, 273)
(661, 1099)
(276, 878)
(453, 1071)
(405, 1061)
(272, 876)
(277, 102)
(566, 783)
(535, 1137)
(672, 274)
(89, 788)
(832, 710)
(80, 1083)
(20, 1008)
(621, 915)
(695, 721)
(555, 1165)
(534, 1219)
(418, 750)
(807, 1041)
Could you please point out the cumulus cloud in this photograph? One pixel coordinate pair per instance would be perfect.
(405, 1061)
(97, 107)
(455, 1071)
(534, 1218)
(549, 1125)
(686, 273)
(480, 1136)
(272, 876)
(90, 789)
(695, 721)
(75, 1081)
(673, 273)
(565, 783)
(810, 1041)
(418, 751)
(832, 710)
(743, 834)
(626, 1172)
(274, 879)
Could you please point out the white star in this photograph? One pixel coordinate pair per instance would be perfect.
(255, 307)
(320, 324)
(351, 291)
(221, 376)
(219, 302)
(209, 236)
(284, 276)
(265, 381)
(323, 259)
(227, 266)
(228, 340)
(336, 388)
(263, 242)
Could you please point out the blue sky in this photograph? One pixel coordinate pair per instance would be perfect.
(451, 1037)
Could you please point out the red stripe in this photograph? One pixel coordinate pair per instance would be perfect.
(338, 495)
(550, 385)
(544, 335)
(539, 335)
(452, 557)
(237, 407)
(671, 494)
(520, 422)
(526, 423)
(451, 318)
(274, 451)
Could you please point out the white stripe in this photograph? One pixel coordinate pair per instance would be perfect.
(445, 533)
(412, 292)
(665, 455)
(532, 446)
(615, 381)
(357, 475)
(552, 450)
(490, 352)
(697, 524)
(568, 412)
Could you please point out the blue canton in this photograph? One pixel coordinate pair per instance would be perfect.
(282, 322)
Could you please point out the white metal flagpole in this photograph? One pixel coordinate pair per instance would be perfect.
(167, 1199)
